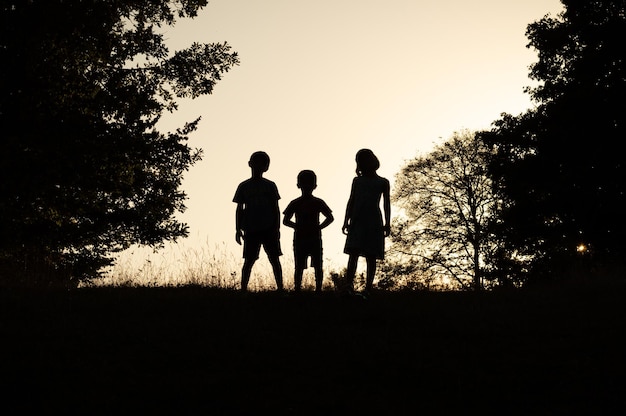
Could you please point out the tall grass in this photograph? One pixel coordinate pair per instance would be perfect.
(206, 265)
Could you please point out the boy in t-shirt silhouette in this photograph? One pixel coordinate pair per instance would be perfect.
(257, 220)
(307, 237)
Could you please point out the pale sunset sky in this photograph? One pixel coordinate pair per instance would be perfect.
(319, 80)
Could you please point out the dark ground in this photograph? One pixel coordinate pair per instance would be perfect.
(195, 351)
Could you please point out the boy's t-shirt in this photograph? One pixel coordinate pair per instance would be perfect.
(259, 197)
(307, 210)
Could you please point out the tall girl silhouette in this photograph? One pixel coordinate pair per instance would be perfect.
(364, 224)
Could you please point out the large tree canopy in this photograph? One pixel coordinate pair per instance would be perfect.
(85, 171)
(561, 163)
(446, 205)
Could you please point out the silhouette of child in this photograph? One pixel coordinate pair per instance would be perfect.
(363, 223)
(257, 220)
(307, 236)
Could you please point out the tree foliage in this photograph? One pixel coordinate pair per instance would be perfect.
(85, 170)
(560, 163)
(446, 206)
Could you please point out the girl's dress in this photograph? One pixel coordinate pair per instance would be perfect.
(365, 232)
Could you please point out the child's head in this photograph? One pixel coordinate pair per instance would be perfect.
(366, 162)
(259, 161)
(307, 180)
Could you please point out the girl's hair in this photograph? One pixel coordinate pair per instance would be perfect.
(366, 161)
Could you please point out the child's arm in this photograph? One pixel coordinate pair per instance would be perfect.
(276, 220)
(327, 221)
(288, 214)
(288, 222)
(346, 220)
(328, 217)
(238, 223)
(387, 209)
(277, 217)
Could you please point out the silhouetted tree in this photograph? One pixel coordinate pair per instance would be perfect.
(84, 170)
(561, 163)
(446, 204)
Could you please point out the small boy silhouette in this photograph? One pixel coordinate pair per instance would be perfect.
(257, 220)
(307, 236)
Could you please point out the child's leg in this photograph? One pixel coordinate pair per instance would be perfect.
(245, 273)
(319, 278)
(297, 278)
(316, 262)
(371, 272)
(351, 271)
(251, 248)
(278, 271)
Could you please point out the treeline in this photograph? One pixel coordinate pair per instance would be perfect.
(541, 194)
(86, 174)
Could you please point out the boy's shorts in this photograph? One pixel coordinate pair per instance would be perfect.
(307, 247)
(252, 242)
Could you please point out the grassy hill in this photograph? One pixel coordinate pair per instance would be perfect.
(192, 350)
